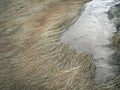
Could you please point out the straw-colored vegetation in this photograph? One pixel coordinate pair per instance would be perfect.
(32, 56)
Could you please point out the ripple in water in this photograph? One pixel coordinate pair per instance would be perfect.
(92, 32)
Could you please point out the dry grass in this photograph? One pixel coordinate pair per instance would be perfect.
(32, 56)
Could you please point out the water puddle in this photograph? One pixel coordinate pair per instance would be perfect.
(92, 32)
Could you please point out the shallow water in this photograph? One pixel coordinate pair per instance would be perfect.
(92, 32)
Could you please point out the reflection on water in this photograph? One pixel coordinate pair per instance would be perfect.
(92, 33)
